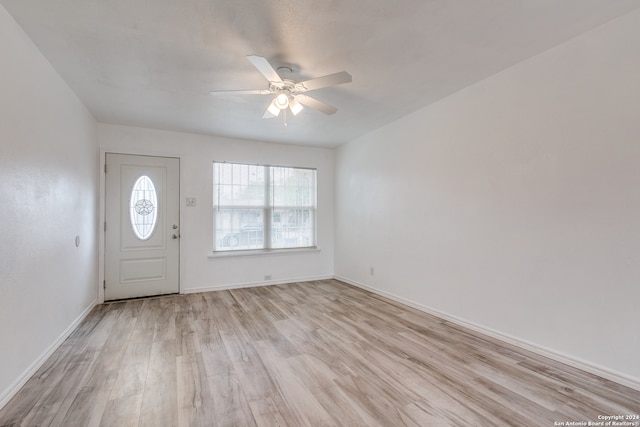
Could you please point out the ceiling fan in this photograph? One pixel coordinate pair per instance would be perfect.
(288, 93)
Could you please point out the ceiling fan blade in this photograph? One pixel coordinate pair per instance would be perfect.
(265, 68)
(320, 82)
(240, 92)
(310, 102)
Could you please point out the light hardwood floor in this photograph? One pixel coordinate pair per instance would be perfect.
(306, 354)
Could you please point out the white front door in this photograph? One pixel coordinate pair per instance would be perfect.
(142, 250)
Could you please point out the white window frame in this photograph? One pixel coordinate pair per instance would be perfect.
(267, 215)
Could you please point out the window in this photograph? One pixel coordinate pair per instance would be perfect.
(263, 207)
(142, 207)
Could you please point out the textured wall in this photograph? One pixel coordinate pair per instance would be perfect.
(48, 196)
(513, 204)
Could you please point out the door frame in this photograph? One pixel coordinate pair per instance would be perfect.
(102, 207)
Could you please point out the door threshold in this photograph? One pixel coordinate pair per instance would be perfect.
(142, 298)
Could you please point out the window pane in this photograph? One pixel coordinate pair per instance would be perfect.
(292, 228)
(238, 229)
(143, 207)
(239, 185)
(293, 187)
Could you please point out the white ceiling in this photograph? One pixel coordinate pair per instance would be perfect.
(152, 63)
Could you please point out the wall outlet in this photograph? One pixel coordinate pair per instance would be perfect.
(267, 277)
(191, 201)
(371, 271)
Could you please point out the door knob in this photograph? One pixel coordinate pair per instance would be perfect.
(175, 237)
(175, 227)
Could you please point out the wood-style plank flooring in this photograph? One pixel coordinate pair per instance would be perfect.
(306, 354)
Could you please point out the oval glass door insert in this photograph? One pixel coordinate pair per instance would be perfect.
(143, 207)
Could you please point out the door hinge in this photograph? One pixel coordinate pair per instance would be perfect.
(105, 226)
(105, 167)
(104, 284)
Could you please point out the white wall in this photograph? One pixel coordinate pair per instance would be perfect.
(514, 204)
(196, 153)
(48, 196)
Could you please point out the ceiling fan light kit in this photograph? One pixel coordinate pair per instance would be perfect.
(272, 110)
(295, 106)
(288, 93)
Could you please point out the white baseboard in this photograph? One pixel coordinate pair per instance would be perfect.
(14, 388)
(252, 284)
(600, 371)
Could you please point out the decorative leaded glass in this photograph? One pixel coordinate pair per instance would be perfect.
(143, 207)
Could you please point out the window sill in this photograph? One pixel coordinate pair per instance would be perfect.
(262, 252)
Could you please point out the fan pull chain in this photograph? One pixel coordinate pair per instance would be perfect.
(284, 127)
